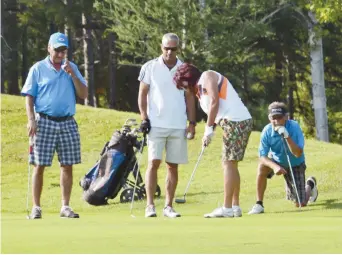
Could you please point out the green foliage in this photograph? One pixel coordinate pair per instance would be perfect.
(256, 44)
(326, 10)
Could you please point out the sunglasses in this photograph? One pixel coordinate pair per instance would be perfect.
(170, 48)
(60, 49)
(277, 117)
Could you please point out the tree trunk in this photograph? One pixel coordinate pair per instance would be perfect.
(112, 69)
(88, 61)
(318, 86)
(11, 37)
(24, 65)
(291, 86)
(2, 50)
(52, 27)
(67, 30)
(276, 87)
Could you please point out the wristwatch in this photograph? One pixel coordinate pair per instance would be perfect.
(193, 123)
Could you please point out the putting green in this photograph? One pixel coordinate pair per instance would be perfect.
(110, 229)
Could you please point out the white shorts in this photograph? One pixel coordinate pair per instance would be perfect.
(173, 140)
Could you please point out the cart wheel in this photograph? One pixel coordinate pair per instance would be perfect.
(156, 194)
(158, 191)
(126, 195)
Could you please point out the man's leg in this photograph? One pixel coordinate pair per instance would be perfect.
(37, 184)
(66, 183)
(236, 194)
(151, 180)
(171, 183)
(263, 172)
(231, 179)
(66, 187)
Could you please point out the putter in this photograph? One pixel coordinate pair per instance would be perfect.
(28, 178)
(292, 175)
(182, 200)
(136, 177)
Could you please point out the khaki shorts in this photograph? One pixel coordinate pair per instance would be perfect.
(235, 138)
(173, 140)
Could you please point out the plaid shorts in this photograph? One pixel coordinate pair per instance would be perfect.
(299, 175)
(235, 138)
(52, 136)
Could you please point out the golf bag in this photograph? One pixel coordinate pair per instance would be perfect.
(110, 174)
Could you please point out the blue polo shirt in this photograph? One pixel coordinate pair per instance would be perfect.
(271, 142)
(53, 91)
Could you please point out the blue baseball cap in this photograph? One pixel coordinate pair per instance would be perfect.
(58, 40)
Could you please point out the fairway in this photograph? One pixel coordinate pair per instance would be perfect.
(110, 229)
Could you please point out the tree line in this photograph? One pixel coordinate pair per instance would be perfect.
(264, 47)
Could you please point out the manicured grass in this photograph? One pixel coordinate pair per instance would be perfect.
(110, 229)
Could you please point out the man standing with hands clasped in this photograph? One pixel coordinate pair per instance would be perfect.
(273, 159)
(164, 111)
(50, 89)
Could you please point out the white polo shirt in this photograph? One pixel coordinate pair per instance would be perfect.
(166, 103)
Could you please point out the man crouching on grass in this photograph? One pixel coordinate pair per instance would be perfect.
(271, 142)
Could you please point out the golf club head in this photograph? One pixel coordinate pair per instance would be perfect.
(180, 200)
(28, 217)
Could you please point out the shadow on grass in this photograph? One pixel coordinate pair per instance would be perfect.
(328, 204)
(200, 193)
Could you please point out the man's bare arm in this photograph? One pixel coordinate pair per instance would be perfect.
(29, 107)
(210, 81)
(142, 100)
(294, 148)
(190, 105)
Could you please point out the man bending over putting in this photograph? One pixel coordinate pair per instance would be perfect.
(271, 143)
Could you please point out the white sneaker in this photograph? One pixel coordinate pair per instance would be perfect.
(168, 211)
(220, 212)
(257, 209)
(314, 191)
(237, 211)
(150, 211)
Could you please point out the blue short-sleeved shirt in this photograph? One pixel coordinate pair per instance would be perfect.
(271, 142)
(53, 91)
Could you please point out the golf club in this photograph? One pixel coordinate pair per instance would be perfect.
(182, 200)
(28, 177)
(137, 172)
(291, 170)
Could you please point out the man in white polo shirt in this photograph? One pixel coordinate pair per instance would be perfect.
(164, 112)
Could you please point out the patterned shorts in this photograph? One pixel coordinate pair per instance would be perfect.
(299, 175)
(235, 138)
(52, 136)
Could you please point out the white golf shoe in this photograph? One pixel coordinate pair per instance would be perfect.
(314, 191)
(168, 211)
(257, 209)
(150, 211)
(220, 212)
(237, 211)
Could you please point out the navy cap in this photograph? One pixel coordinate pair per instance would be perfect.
(277, 111)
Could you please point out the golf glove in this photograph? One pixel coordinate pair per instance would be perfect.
(208, 135)
(282, 131)
(145, 126)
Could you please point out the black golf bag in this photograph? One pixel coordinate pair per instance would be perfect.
(110, 174)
